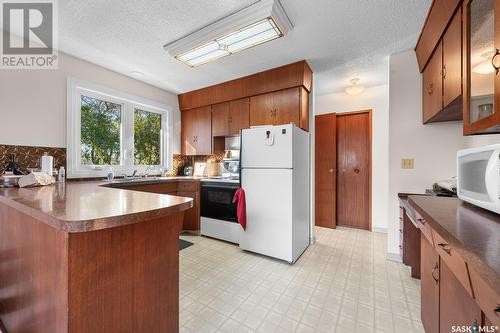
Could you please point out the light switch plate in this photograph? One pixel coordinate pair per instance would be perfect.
(407, 163)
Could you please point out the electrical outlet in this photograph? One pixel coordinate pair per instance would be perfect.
(407, 163)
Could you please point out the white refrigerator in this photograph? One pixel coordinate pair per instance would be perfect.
(275, 175)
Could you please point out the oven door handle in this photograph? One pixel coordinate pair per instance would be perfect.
(225, 187)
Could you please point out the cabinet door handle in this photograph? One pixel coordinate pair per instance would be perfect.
(434, 269)
(420, 220)
(497, 68)
(443, 72)
(430, 89)
(497, 310)
(445, 249)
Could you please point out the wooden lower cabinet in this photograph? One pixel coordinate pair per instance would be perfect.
(430, 277)
(189, 189)
(456, 307)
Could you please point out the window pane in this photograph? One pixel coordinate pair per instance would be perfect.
(147, 138)
(100, 132)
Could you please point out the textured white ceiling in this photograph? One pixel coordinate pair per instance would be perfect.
(339, 38)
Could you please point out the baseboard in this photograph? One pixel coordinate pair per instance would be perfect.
(394, 257)
(379, 229)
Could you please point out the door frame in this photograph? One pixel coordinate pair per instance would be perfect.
(370, 137)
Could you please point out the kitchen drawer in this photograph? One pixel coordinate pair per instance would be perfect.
(425, 228)
(187, 186)
(454, 261)
(486, 297)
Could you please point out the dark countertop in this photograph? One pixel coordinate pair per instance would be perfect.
(472, 231)
(87, 206)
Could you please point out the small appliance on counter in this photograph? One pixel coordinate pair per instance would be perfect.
(187, 170)
(444, 188)
(478, 179)
(11, 168)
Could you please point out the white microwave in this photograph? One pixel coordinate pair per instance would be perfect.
(478, 180)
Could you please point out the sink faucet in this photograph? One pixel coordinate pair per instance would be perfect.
(134, 173)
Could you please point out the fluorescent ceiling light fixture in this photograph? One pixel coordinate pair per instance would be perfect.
(257, 24)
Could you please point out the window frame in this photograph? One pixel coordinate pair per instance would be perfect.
(75, 89)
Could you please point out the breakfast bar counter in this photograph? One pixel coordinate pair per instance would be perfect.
(82, 257)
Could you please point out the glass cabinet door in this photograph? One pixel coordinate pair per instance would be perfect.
(482, 78)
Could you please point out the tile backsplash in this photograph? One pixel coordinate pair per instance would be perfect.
(179, 161)
(29, 157)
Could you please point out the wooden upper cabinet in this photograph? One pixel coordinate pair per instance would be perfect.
(452, 61)
(280, 107)
(229, 118)
(433, 85)
(437, 20)
(239, 113)
(430, 278)
(481, 84)
(220, 119)
(297, 74)
(196, 131)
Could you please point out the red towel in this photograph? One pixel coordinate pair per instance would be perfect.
(239, 197)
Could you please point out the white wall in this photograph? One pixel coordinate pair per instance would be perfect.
(33, 102)
(377, 99)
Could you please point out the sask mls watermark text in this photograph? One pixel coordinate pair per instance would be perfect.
(29, 34)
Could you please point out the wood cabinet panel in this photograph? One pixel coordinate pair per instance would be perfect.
(286, 104)
(487, 299)
(188, 142)
(304, 109)
(203, 121)
(425, 228)
(325, 170)
(191, 220)
(239, 113)
(297, 74)
(454, 261)
(411, 246)
(430, 276)
(435, 24)
(196, 131)
(452, 60)
(433, 85)
(276, 108)
(262, 110)
(457, 307)
(220, 119)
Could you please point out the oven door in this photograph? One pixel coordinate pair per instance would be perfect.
(217, 201)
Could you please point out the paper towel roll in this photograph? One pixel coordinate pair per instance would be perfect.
(47, 164)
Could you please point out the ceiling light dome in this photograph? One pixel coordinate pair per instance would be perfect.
(355, 88)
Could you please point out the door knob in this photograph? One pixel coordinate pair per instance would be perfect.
(356, 170)
(330, 171)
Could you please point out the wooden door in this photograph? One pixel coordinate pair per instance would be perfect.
(220, 119)
(325, 173)
(261, 110)
(203, 130)
(429, 286)
(239, 116)
(188, 142)
(452, 60)
(433, 85)
(353, 169)
(286, 105)
(456, 306)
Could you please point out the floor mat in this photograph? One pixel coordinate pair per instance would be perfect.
(184, 244)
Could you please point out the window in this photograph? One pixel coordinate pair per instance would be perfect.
(110, 129)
